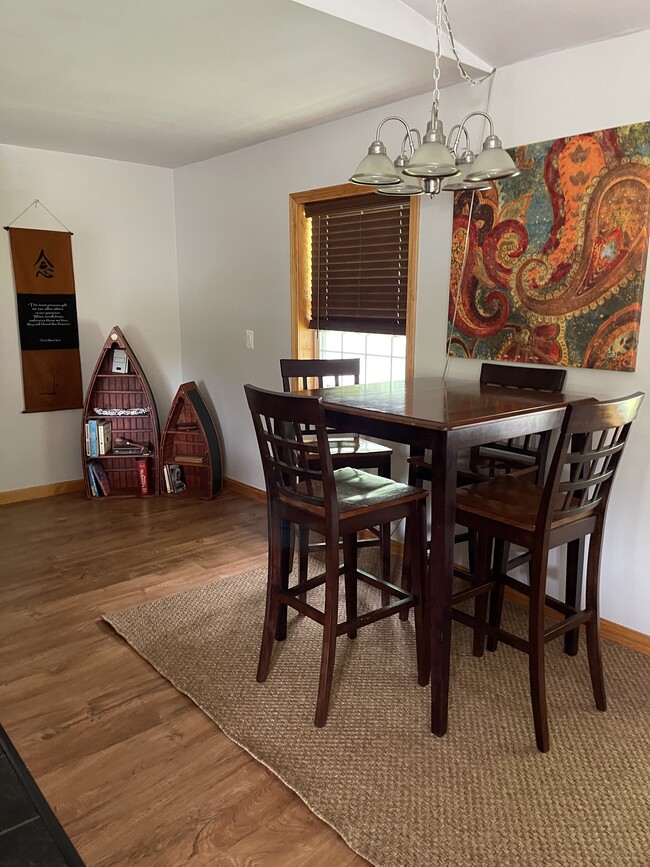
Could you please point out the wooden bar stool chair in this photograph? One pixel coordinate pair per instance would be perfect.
(347, 449)
(338, 504)
(571, 505)
(525, 456)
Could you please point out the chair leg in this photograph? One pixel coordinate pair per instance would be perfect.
(482, 573)
(573, 590)
(285, 539)
(593, 625)
(329, 632)
(303, 559)
(471, 551)
(496, 595)
(536, 648)
(269, 630)
(350, 560)
(384, 548)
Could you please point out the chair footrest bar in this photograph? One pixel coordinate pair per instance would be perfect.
(372, 616)
(567, 625)
(471, 592)
(506, 637)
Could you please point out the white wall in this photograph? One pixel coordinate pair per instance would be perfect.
(233, 254)
(124, 253)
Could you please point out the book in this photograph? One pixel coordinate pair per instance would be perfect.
(168, 483)
(100, 477)
(176, 478)
(87, 438)
(143, 476)
(120, 361)
(104, 437)
(93, 442)
(189, 459)
(123, 446)
(94, 489)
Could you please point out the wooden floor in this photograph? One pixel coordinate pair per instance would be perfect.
(133, 770)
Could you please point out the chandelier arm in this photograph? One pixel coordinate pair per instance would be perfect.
(468, 145)
(406, 127)
(461, 126)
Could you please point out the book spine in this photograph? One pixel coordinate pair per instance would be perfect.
(143, 476)
(168, 484)
(101, 477)
(94, 490)
(92, 436)
(87, 436)
(104, 437)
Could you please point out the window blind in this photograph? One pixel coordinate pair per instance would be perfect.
(359, 264)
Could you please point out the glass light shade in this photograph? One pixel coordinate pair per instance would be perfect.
(406, 187)
(465, 165)
(492, 164)
(376, 169)
(432, 159)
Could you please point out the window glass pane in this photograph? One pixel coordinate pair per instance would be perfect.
(379, 344)
(354, 343)
(362, 370)
(399, 346)
(398, 368)
(330, 341)
(377, 368)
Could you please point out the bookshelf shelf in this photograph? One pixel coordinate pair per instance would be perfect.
(121, 391)
(189, 434)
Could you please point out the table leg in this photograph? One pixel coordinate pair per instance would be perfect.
(441, 564)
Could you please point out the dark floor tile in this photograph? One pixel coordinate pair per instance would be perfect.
(15, 804)
(30, 845)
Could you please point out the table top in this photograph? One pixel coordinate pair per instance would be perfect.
(439, 404)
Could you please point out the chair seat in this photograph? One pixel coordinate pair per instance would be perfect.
(509, 499)
(491, 462)
(480, 467)
(360, 491)
(352, 446)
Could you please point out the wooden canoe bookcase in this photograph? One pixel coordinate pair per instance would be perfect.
(190, 440)
(120, 391)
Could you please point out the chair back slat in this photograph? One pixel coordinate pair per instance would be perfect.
(304, 373)
(508, 376)
(586, 458)
(532, 449)
(279, 420)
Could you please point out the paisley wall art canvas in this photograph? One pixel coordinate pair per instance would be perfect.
(556, 257)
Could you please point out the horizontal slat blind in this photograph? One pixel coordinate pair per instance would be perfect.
(359, 264)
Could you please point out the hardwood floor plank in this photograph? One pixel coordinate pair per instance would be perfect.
(136, 773)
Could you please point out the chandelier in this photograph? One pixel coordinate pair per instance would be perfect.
(426, 161)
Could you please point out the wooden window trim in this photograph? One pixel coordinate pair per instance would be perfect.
(302, 337)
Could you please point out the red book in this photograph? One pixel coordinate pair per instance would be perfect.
(143, 476)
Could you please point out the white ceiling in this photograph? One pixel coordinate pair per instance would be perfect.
(170, 82)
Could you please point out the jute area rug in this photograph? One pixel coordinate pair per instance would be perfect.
(398, 795)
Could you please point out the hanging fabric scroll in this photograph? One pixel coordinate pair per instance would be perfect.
(47, 319)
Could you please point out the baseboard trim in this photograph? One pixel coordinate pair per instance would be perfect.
(41, 491)
(245, 490)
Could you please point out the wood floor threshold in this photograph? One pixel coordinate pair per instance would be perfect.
(619, 634)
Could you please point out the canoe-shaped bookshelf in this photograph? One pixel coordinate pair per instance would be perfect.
(119, 401)
(191, 454)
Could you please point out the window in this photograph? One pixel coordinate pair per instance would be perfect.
(353, 274)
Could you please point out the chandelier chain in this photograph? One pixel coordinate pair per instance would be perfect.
(436, 64)
(442, 10)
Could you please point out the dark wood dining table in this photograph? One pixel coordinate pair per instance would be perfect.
(444, 416)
